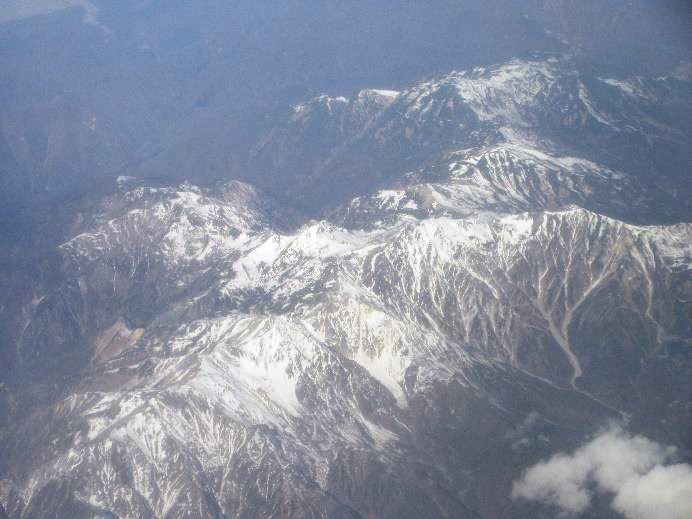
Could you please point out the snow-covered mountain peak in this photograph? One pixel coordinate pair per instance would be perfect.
(501, 94)
(323, 102)
(183, 225)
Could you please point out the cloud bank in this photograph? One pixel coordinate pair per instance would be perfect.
(635, 470)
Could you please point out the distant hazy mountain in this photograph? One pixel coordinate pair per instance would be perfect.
(94, 90)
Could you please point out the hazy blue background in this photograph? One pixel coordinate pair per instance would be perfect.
(178, 89)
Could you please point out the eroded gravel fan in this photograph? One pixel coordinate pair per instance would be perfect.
(399, 357)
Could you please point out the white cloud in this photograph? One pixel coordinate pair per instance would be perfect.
(11, 10)
(632, 469)
(664, 492)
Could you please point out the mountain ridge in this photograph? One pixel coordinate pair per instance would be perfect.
(407, 353)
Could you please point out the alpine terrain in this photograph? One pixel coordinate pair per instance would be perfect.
(406, 299)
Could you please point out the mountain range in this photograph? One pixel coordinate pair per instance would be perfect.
(412, 296)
